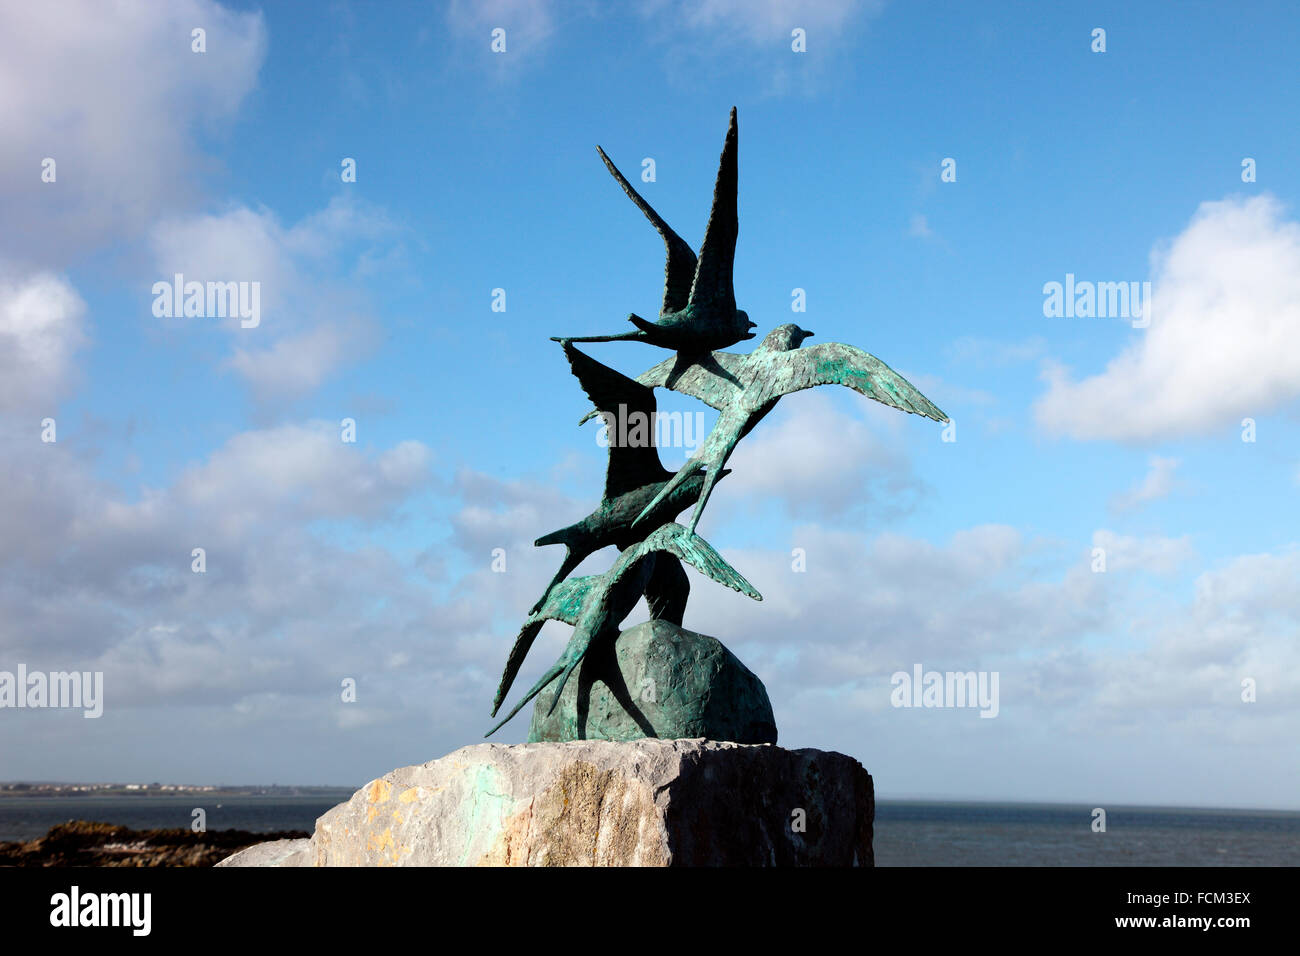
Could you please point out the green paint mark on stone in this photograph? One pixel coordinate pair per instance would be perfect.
(488, 811)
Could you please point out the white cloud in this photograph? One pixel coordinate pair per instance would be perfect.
(1157, 484)
(41, 326)
(714, 41)
(970, 350)
(919, 227)
(947, 394)
(1224, 340)
(1156, 554)
(112, 93)
(867, 604)
(238, 245)
(819, 462)
(1244, 622)
(1263, 583)
(297, 364)
(242, 244)
(508, 514)
(101, 580)
(312, 322)
(528, 23)
(302, 473)
(762, 21)
(256, 647)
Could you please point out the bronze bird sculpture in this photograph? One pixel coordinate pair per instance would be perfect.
(744, 388)
(699, 311)
(698, 319)
(595, 605)
(634, 478)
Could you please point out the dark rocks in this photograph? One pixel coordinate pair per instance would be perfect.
(82, 843)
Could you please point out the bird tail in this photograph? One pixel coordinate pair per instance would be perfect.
(571, 561)
(517, 654)
(637, 336)
(555, 537)
(546, 678)
(645, 325)
(563, 680)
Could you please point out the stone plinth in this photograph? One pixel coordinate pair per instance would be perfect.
(600, 803)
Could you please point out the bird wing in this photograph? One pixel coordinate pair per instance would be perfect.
(563, 603)
(713, 279)
(694, 550)
(679, 268)
(834, 363)
(714, 378)
(632, 463)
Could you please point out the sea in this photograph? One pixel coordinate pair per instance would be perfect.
(907, 833)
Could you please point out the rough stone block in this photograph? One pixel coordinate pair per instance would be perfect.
(273, 853)
(646, 802)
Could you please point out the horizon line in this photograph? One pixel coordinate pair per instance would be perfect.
(900, 798)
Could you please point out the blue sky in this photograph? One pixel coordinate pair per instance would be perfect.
(476, 171)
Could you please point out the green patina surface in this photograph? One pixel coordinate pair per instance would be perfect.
(701, 689)
(841, 372)
(661, 681)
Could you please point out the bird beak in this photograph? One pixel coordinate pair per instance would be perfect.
(807, 334)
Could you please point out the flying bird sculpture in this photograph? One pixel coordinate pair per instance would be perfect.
(703, 689)
(699, 311)
(597, 604)
(751, 385)
(634, 477)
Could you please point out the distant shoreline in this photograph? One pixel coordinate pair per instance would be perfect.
(49, 789)
(55, 790)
